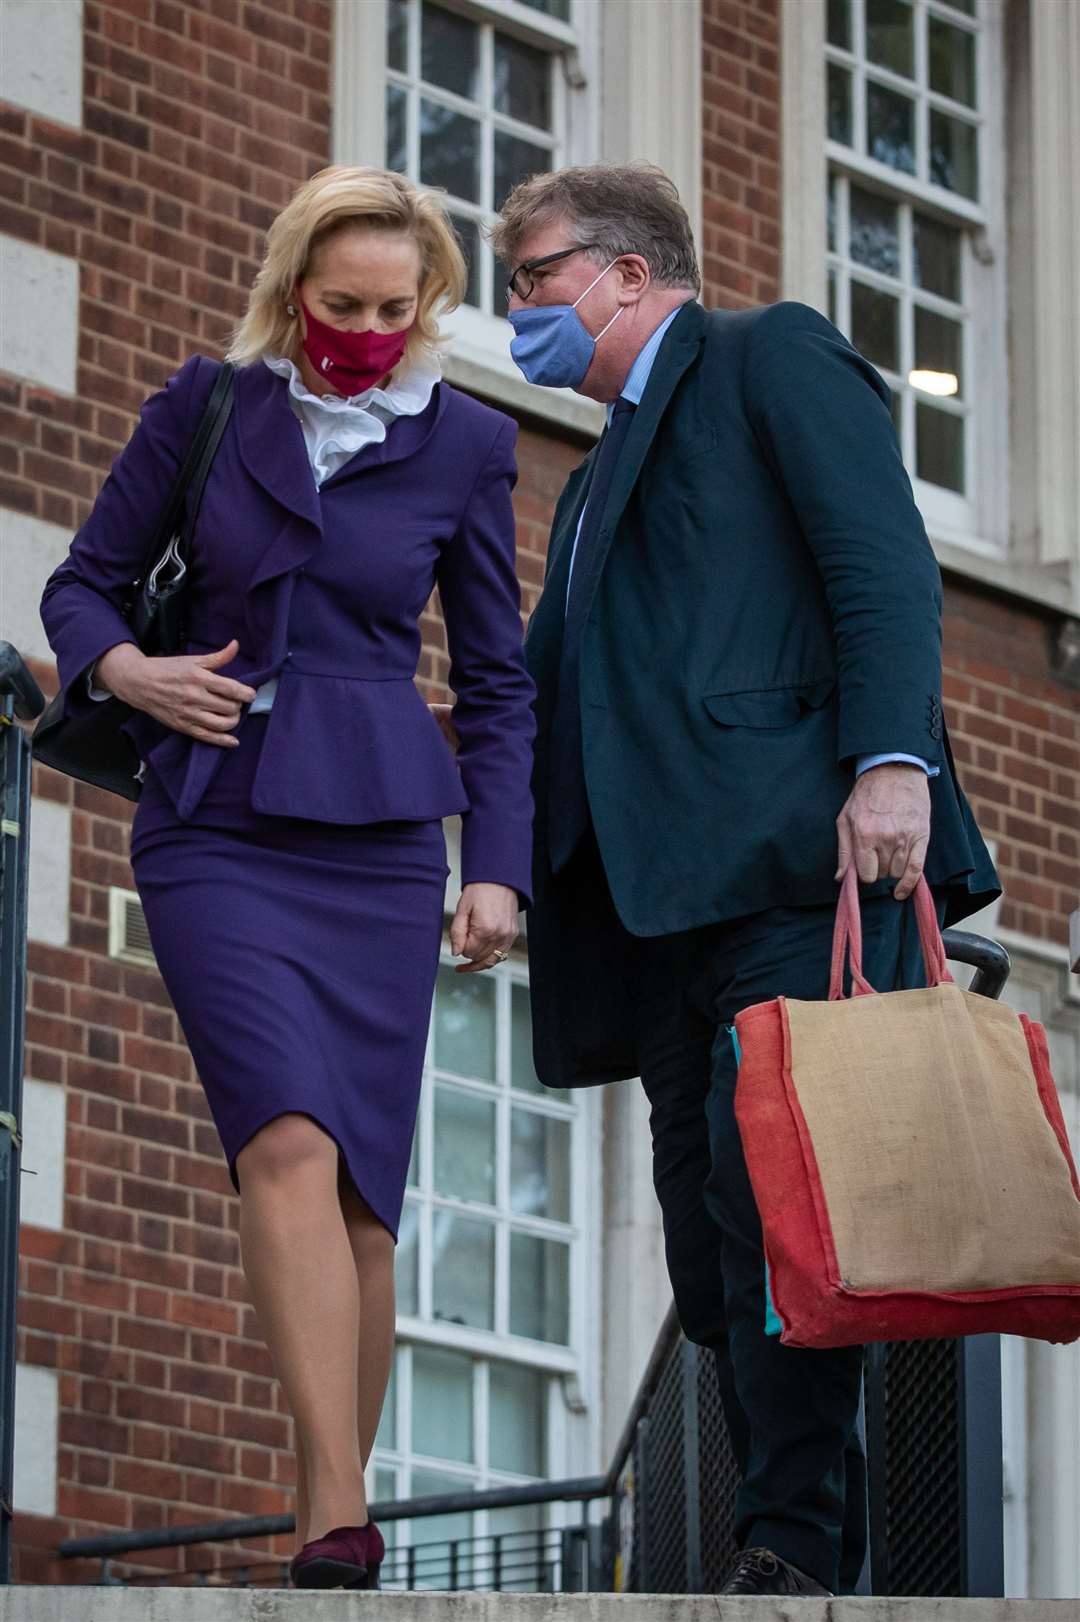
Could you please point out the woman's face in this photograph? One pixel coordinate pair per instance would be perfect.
(363, 280)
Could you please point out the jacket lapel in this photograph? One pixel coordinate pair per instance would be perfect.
(680, 348)
(272, 443)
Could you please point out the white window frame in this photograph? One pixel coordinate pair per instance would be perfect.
(573, 1417)
(979, 519)
(970, 535)
(619, 103)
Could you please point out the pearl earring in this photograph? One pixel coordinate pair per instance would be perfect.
(290, 309)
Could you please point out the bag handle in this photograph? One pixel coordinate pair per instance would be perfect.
(193, 472)
(847, 940)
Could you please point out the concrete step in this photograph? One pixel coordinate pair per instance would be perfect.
(47, 1604)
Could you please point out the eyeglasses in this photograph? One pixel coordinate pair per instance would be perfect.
(521, 282)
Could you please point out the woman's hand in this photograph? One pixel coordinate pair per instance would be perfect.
(444, 714)
(184, 692)
(485, 926)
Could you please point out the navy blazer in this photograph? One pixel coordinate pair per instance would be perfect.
(763, 607)
(349, 738)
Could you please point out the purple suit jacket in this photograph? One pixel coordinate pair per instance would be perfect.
(324, 589)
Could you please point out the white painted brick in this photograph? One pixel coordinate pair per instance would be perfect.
(44, 1129)
(41, 57)
(37, 1414)
(30, 550)
(39, 317)
(50, 871)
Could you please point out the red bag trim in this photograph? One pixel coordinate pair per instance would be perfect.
(1048, 1094)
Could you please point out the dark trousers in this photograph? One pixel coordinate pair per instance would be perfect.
(792, 1415)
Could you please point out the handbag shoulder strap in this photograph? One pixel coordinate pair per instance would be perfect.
(195, 468)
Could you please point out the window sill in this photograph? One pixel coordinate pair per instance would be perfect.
(478, 360)
(1032, 582)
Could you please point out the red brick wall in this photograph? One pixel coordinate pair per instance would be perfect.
(740, 250)
(1015, 731)
(200, 117)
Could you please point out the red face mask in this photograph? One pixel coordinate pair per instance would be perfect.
(351, 361)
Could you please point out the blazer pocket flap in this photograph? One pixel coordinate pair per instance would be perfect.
(768, 707)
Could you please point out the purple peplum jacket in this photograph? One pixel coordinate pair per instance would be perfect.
(349, 738)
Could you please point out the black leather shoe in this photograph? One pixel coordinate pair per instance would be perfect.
(759, 1571)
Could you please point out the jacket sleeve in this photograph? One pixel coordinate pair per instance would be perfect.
(821, 415)
(481, 603)
(82, 601)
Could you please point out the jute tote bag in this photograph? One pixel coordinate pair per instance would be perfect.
(909, 1158)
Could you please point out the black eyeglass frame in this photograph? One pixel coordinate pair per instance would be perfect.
(529, 265)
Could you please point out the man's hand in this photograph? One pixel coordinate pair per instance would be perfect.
(184, 692)
(884, 827)
(485, 926)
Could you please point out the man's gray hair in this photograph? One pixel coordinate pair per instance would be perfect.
(615, 207)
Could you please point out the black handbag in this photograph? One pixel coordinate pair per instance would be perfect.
(90, 744)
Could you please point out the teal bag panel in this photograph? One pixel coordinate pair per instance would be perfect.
(773, 1325)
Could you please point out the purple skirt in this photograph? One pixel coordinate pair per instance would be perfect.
(301, 959)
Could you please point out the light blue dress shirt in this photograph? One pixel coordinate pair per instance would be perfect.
(632, 390)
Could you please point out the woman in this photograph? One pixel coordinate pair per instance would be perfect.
(288, 845)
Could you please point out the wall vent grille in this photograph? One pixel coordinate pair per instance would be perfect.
(129, 938)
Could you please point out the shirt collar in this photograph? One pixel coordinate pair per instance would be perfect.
(406, 395)
(634, 387)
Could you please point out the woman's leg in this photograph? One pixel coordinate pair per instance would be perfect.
(373, 1253)
(302, 1273)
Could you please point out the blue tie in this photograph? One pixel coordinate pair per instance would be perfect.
(568, 805)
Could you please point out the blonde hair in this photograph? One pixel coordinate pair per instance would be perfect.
(330, 201)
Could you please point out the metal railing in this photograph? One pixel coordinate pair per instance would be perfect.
(20, 700)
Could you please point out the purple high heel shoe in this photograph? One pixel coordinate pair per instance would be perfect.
(347, 1557)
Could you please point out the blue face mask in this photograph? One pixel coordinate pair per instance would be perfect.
(551, 345)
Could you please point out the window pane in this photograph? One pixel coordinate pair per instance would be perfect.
(539, 1165)
(407, 1262)
(539, 1288)
(463, 1269)
(518, 1419)
(832, 297)
(966, 6)
(386, 1436)
(890, 128)
(875, 325)
(469, 235)
(442, 1404)
(831, 207)
(464, 1137)
(552, 8)
(939, 447)
(875, 232)
(938, 353)
(449, 51)
(522, 82)
(937, 257)
(397, 34)
(522, 1071)
(839, 27)
(449, 151)
(839, 98)
(397, 102)
(465, 1025)
(954, 154)
(952, 61)
(890, 35)
(516, 160)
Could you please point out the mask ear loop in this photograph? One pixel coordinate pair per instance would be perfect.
(593, 283)
(589, 289)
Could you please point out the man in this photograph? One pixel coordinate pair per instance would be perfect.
(737, 656)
